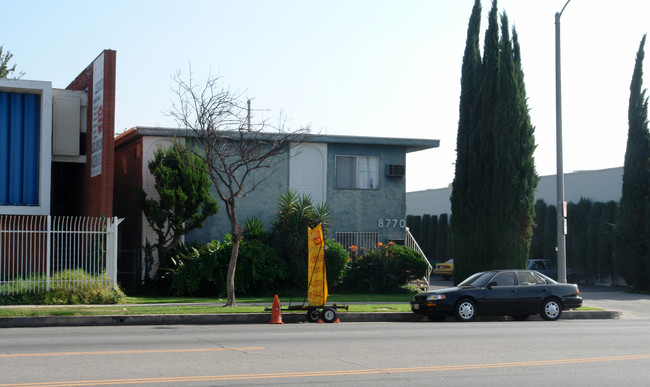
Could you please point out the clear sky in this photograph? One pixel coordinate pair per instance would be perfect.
(388, 68)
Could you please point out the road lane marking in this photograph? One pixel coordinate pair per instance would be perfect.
(141, 351)
(214, 378)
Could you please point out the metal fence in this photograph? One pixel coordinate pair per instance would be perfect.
(361, 240)
(369, 240)
(412, 243)
(43, 252)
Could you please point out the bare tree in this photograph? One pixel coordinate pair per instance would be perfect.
(233, 145)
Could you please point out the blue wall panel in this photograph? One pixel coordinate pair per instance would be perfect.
(15, 149)
(19, 148)
(31, 150)
(4, 148)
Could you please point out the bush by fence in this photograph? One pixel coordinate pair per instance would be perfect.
(385, 269)
(66, 288)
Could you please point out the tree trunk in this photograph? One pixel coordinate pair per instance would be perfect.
(230, 279)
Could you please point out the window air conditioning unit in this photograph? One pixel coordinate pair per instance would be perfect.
(396, 170)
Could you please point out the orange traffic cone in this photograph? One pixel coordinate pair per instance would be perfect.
(320, 321)
(276, 313)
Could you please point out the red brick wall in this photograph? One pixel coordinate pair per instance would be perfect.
(128, 180)
(97, 192)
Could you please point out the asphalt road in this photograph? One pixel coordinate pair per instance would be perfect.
(495, 353)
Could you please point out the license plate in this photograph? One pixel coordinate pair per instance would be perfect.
(416, 306)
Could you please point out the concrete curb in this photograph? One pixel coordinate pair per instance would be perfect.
(251, 318)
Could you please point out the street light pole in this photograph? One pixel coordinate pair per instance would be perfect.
(561, 205)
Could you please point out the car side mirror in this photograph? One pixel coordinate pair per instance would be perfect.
(493, 283)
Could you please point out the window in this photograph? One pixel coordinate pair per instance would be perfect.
(526, 278)
(504, 279)
(357, 172)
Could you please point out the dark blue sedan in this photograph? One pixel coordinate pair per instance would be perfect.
(516, 293)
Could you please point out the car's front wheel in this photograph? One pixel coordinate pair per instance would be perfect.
(465, 310)
(551, 309)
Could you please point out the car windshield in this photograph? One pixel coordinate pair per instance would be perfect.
(478, 279)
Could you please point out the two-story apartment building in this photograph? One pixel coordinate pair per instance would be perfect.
(362, 179)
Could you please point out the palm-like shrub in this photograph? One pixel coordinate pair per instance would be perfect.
(295, 213)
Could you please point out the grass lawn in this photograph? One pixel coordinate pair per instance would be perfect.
(187, 305)
(284, 299)
(190, 305)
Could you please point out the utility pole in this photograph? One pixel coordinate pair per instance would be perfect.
(561, 204)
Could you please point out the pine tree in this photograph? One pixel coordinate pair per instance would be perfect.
(184, 199)
(633, 227)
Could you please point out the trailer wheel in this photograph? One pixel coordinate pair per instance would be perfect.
(313, 315)
(328, 315)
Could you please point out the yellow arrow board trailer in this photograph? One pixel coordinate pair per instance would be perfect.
(317, 277)
(317, 281)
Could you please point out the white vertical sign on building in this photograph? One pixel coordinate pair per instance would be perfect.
(98, 116)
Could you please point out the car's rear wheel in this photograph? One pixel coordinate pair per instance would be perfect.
(520, 317)
(551, 309)
(465, 310)
(436, 317)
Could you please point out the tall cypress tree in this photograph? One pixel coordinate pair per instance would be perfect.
(633, 227)
(483, 154)
(513, 166)
(493, 190)
(463, 200)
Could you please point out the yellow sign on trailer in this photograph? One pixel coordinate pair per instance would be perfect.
(317, 278)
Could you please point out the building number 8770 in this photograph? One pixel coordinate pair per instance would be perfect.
(391, 223)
